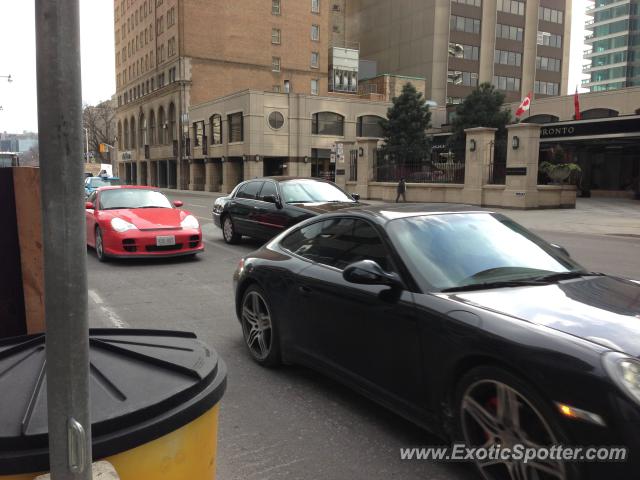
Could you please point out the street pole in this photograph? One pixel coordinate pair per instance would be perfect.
(63, 230)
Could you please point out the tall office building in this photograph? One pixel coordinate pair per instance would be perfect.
(172, 54)
(613, 36)
(519, 46)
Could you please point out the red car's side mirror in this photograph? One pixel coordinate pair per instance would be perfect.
(178, 203)
(89, 205)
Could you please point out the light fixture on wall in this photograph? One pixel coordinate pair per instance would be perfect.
(244, 158)
(306, 160)
(258, 158)
(515, 142)
(361, 152)
(222, 159)
(472, 145)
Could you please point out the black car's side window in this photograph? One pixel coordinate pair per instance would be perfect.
(338, 243)
(269, 188)
(249, 190)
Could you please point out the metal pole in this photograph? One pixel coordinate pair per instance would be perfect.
(63, 228)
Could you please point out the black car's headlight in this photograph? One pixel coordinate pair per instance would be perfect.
(625, 372)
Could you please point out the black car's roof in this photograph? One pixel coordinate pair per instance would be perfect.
(385, 212)
(283, 178)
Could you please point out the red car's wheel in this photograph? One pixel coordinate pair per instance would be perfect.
(100, 246)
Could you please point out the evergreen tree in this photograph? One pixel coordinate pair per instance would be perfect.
(481, 108)
(405, 128)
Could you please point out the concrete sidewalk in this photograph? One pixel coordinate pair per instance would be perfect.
(594, 216)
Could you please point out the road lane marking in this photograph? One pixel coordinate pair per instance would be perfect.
(203, 218)
(111, 316)
(196, 205)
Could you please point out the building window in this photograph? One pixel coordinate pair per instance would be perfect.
(315, 59)
(511, 6)
(287, 86)
(468, 52)
(275, 64)
(454, 100)
(276, 36)
(370, 126)
(314, 86)
(276, 120)
(472, 3)
(509, 32)
(504, 57)
(275, 89)
(549, 39)
(315, 6)
(550, 15)
(198, 133)
(275, 7)
(550, 64)
(171, 46)
(215, 123)
(171, 17)
(464, 24)
(315, 33)
(546, 88)
(236, 127)
(509, 84)
(467, 79)
(327, 123)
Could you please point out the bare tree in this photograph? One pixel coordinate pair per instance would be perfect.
(100, 122)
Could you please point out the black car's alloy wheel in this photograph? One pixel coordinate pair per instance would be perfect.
(100, 246)
(494, 408)
(258, 327)
(229, 231)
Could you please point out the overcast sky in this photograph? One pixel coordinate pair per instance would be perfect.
(17, 41)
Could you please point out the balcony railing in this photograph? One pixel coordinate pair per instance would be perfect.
(588, 51)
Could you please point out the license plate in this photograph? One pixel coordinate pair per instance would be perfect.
(165, 241)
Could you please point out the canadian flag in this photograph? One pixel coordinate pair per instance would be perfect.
(524, 106)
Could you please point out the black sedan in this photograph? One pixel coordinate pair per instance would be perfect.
(460, 320)
(265, 207)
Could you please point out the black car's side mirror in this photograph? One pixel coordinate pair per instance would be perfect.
(355, 196)
(368, 272)
(561, 249)
(272, 199)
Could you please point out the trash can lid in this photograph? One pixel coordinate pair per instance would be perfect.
(143, 385)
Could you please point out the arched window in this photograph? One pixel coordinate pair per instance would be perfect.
(598, 113)
(143, 130)
(327, 123)
(172, 122)
(127, 146)
(370, 126)
(541, 119)
(162, 126)
(215, 129)
(132, 135)
(152, 128)
(120, 135)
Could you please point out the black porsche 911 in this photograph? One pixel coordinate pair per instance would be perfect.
(460, 320)
(264, 207)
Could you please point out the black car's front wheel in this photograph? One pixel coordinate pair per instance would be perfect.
(229, 231)
(259, 328)
(494, 407)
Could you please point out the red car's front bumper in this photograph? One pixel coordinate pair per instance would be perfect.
(143, 243)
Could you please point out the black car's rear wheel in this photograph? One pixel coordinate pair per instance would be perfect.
(229, 231)
(100, 246)
(495, 408)
(259, 328)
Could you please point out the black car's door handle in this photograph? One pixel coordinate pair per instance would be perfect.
(304, 290)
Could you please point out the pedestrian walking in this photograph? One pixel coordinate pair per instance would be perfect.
(402, 191)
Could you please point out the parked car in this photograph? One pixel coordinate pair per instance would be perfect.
(460, 320)
(264, 207)
(93, 183)
(132, 221)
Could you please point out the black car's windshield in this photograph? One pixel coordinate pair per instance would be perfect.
(103, 182)
(132, 198)
(458, 250)
(311, 191)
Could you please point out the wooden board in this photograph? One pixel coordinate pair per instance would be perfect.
(26, 181)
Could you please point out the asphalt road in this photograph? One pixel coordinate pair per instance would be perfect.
(289, 423)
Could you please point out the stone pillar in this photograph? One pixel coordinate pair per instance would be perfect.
(229, 176)
(523, 149)
(366, 151)
(140, 173)
(253, 167)
(153, 174)
(209, 181)
(479, 148)
(196, 175)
